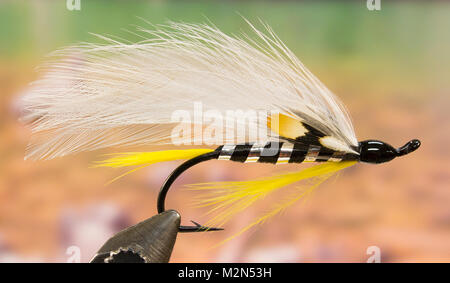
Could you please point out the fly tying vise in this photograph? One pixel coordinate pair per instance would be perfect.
(125, 93)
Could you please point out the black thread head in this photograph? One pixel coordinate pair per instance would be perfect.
(374, 151)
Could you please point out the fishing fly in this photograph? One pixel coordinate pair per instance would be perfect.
(122, 93)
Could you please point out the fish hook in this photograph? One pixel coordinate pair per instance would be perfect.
(173, 176)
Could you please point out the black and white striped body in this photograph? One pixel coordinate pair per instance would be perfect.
(282, 152)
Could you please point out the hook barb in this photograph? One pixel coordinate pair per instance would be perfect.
(197, 228)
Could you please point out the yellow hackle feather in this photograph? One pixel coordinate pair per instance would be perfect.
(140, 158)
(143, 159)
(229, 198)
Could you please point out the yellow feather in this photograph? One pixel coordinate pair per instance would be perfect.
(144, 159)
(147, 158)
(229, 198)
(286, 126)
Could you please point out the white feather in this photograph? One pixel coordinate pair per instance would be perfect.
(120, 94)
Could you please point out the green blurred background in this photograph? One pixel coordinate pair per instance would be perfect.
(390, 67)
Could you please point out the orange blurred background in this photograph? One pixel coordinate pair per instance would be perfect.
(389, 67)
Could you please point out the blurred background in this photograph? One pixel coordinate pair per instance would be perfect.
(389, 67)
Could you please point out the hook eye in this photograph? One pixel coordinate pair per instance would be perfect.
(409, 147)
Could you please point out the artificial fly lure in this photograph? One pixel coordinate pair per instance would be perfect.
(124, 93)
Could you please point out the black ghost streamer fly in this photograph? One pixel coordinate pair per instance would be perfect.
(124, 94)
